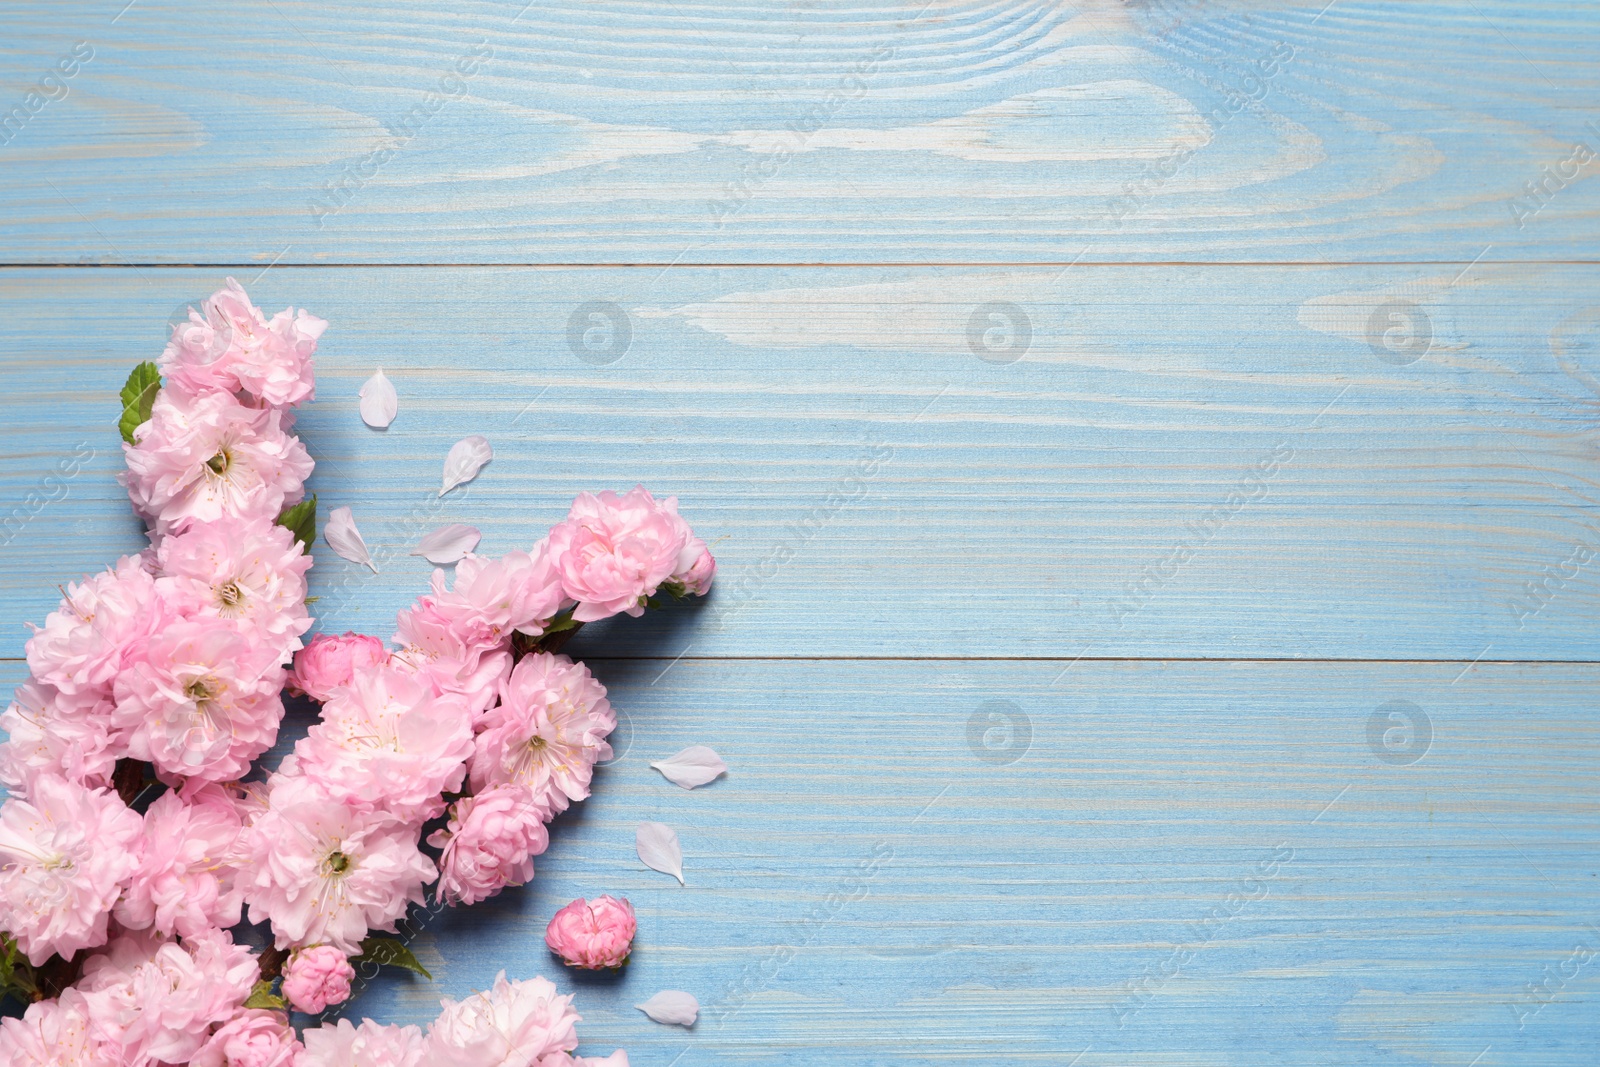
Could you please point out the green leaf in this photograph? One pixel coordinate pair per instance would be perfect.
(16, 973)
(301, 520)
(262, 996)
(386, 950)
(561, 625)
(138, 397)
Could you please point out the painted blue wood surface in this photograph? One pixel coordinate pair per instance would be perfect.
(1055, 731)
(1030, 509)
(879, 131)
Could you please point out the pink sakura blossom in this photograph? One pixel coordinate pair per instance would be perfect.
(432, 649)
(57, 1033)
(176, 657)
(201, 700)
(65, 855)
(493, 597)
(87, 641)
(514, 1024)
(204, 457)
(250, 800)
(184, 883)
(490, 843)
(316, 977)
(618, 1058)
(614, 551)
(547, 732)
(330, 661)
(252, 573)
(321, 871)
(593, 934)
(50, 733)
(158, 999)
(252, 1038)
(367, 1045)
(387, 742)
(228, 346)
(298, 332)
(695, 566)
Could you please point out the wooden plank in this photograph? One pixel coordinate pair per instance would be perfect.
(884, 131)
(1368, 910)
(1185, 462)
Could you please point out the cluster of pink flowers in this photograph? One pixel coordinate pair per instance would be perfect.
(172, 664)
(454, 723)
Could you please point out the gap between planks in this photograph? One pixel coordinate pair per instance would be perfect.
(840, 265)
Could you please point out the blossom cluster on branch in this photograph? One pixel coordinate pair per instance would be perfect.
(134, 839)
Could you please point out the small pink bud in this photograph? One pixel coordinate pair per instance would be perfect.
(593, 935)
(316, 977)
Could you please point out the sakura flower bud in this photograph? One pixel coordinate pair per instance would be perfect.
(593, 934)
(316, 977)
(330, 661)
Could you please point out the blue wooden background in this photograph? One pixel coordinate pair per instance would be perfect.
(1151, 448)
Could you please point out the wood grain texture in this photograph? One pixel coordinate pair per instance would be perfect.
(1151, 448)
(862, 888)
(1185, 462)
(892, 130)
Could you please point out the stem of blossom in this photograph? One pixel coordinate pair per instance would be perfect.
(56, 974)
(272, 961)
(522, 644)
(556, 641)
(128, 780)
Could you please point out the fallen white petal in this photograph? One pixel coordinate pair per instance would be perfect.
(378, 401)
(658, 847)
(695, 765)
(342, 536)
(447, 544)
(672, 1006)
(467, 457)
